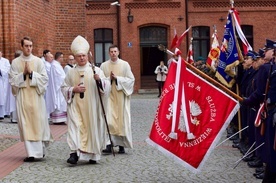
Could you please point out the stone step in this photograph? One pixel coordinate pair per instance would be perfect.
(148, 91)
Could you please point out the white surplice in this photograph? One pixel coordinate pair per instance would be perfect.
(67, 68)
(4, 86)
(85, 118)
(47, 95)
(118, 115)
(57, 104)
(30, 104)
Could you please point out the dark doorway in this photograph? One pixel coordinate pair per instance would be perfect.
(150, 37)
(151, 57)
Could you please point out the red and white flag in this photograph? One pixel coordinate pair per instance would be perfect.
(258, 119)
(190, 58)
(188, 128)
(245, 44)
(178, 42)
(213, 55)
(174, 41)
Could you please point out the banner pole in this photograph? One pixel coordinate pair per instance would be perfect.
(239, 113)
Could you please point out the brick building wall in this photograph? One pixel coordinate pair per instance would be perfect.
(70, 18)
(54, 24)
(51, 24)
(27, 18)
(257, 13)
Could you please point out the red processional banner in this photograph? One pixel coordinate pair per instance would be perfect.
(203, 114)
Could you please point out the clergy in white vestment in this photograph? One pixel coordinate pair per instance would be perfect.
(57, 103)
(12, 107)
(4, 86)
(118, 116)
(85, 119)
(28, 79)
(70, 63)
(47, 60)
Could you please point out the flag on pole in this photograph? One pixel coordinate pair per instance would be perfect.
(178, 42)
(258, 119)
(190, 58)
(229, 56)
(174, 41)
(213, 55)
(246, 46)
(201, 117)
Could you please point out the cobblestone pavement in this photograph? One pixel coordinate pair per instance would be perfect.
(143, 163)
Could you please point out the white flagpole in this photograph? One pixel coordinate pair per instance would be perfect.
(247, 155)
(232, 136)
(232, 3)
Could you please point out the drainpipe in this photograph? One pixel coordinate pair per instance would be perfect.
(3, 28)
(118, 28)
(187, 23)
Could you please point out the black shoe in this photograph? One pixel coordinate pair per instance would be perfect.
(73, 158)
(236, 145)
(230, 130)
(250, 157)
(244, 149)
(234, 137)
(29, 159)
(92, 161)
(121, 150)
(107, 150)
(260, 169)
(7, 116)
(1, 118)
(257, 173)
(255, 164)
(236, 141)
(260, 176)
(158, 96)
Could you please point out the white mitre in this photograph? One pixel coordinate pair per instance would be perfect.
(80, 46)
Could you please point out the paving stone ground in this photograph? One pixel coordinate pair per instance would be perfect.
(142, 164)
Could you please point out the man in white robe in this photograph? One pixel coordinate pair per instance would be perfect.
(57, 103)
(28, 79)
(12, 103)
(85, 119)
(118, 116)
(4, 86)
(70, 63)
(48, 59)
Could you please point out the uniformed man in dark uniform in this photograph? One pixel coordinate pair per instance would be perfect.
(245, 78)
(254, 160)
(267, 76)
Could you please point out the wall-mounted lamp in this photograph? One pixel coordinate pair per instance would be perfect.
(180, 18)
(221, 19)
(129, 17)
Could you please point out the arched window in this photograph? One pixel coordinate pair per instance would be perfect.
(103, 38)
(153, 34)
(201, 41)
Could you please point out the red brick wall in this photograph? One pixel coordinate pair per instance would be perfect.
(54, 24)
(28, 18)
(51, 24)
(257, 13)
(70, 22)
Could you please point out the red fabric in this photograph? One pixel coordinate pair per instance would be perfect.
(178, 43)
(174, 41)
(215, 106)
(258, 120)
(213, 55)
